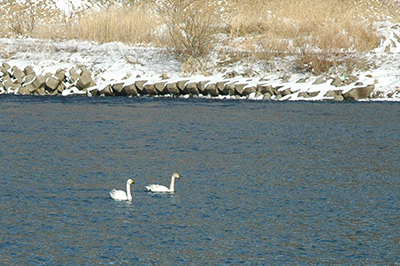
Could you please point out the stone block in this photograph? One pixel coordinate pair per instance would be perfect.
(29, 78)
(337, 82)
(30, 88)
(28, 70)
(130, 90)
(40, 91)
(73, 75)
(4, 73)
(285, 92)
(221, 85)
(84, 82)
(140, 86)
(171, 88)
(160, 86)
(248, 90)
(52, 83)
(17, 74)
(264, 88)
(61, 74)
(201, 86)
(239, 87)
(181, 84)
(191, 88)
(118, 89)
(107, 91)
(61, 87)
(8, 83)
(150, 89)
(23, 91)
(211, 89)
(5, 66)
(359, 93)
(229, 89)
(39, 81)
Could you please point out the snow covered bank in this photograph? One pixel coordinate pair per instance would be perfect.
(119, 69)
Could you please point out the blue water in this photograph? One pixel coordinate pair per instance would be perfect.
(262, 183)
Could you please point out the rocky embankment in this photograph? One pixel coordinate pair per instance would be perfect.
(79, 81)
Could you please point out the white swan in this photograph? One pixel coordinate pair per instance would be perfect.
(120, 194)
(158, 188)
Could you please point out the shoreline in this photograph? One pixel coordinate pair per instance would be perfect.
(73, 67)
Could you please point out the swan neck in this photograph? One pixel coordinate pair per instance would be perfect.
(171, 186)
(128, 191)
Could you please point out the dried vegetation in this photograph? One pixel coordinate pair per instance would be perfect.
(320, 35)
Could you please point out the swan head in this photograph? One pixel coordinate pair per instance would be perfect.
(130, 181)
(176, 175)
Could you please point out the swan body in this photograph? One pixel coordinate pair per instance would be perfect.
(164, 189)
(122, 195)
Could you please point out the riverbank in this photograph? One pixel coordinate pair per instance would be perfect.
(43, 67)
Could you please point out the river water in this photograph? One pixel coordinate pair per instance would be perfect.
(262, 183)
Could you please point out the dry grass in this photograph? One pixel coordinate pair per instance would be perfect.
(128, 24)
(25, 18)
(190, 27)
(314, 31)
(319, 34)
(324, 25)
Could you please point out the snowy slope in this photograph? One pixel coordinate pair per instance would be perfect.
(119, 62)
